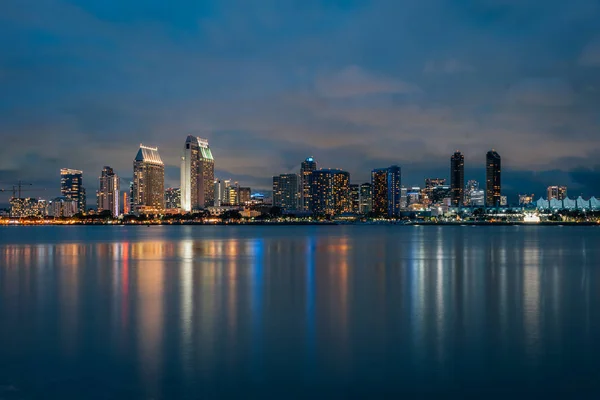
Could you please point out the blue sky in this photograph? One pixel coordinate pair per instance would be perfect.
(358, 84)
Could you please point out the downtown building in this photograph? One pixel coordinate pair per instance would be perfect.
(493, 181)
(306, 169)
(197, 175)
(365, 201)
(457, 179)
(173, 198)
(386, 191)
(107, 195)
(71, 187)
(330, 192)
(286, 192)
(148, 188)
(556, 192)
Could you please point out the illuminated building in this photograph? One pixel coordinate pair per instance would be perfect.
(430, 183)
(403, 197)
(197, 175)
(525, 199)
(557, 192)
(232, 194)
(355, 198)
(470, 186)
(173, 198)
(413, 196)
(365, 199)
(71, 187)
(27, 207)
(503, 201)
(477, 198)
(244, 195)
(62, 207)
(386, 185)
(148, 180)
(126, 209)
(108, 192)
(286, 192)
(457, 178)
(330, 191)
(308, 166)
(493, 182)
(439, 193)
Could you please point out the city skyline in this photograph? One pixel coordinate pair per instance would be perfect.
(347, 84)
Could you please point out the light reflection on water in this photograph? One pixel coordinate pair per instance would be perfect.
(184, 311)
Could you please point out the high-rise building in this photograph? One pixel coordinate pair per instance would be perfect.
(308, 166)
(387, 194)
(173, 198)
(366, 199)
(403, 197)
(477, 198)
(197, 174)
(71, 187)
(493, 182)
(62, 207)
(126, 204)
(430, 183)
(27, 207)
(393, 191)
(557, 192)
(148, 192)
(131, 204)
(439, 193)
(108, 192)
(330, 192)
(457, 178)
(355, 198)
(244, 195)
(286, 192)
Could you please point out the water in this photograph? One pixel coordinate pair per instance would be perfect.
(297, 312)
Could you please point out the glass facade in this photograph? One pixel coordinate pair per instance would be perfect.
(330, 192)
(493, 182)
(457, 179)
(71, 187)
(308, 166)
(148, 192)
(286, 192)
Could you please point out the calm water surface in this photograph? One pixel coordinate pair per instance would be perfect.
(296, 312)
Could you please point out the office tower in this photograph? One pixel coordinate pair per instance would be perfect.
(173, 198)
(232, 194)
(197, 174)
(365, 198)
(355, 198)
(393, 191)
(470, 186)
(108, 192)
(244, 195)
(557, 192)
(126, 205)
(148, 180)
(131, 205)
(457, 178)
(414, 195)
(503, 201)
(71, 187)
(387, 194)
(477, 198)
(330, 191)
(493, 183)
(218, 193)
(525, 199)
(403, 197)
(286, 192)
(379, 187)
(439, 193)
(308, 166)
(430, 183)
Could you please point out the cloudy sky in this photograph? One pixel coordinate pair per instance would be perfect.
(357, 84)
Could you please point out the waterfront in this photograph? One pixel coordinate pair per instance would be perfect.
(290, 311)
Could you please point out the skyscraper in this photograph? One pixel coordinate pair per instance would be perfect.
(557, 192)
(355, 198)
(308, 166)
(286, 192)
(365, 200)
(148, 192)
(244, 195)
(71, 187)
(457, 179)
(330, 191)
(386, 185)
(197, 174)
(173, 198)
(108, 192)
(493, 183)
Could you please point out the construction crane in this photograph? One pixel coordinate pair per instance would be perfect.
(18, 188)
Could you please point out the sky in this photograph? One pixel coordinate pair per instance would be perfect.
(357, 84)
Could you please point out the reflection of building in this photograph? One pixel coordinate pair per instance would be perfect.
(365, 199)
(62, 207)
(108, 192)
(386, 185)
(172, 198)
(525, 199)
(330, 191)
(308, 166)
(71, 187)
(457, 178)
(355, 198)
(557, 192)
(27, 207)
(286, 192)
(148, 180)
(197, 174)
(493, 182)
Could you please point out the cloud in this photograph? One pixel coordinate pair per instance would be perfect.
(590, 56)
(449, 66)
(541, 92)
(354, 81)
